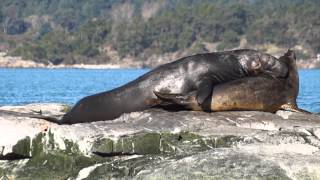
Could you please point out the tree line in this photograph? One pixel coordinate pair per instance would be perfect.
(77, 31)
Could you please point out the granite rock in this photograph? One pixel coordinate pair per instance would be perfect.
(157, 144)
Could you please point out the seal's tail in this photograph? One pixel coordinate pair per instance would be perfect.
(294, 108)
(53, 119)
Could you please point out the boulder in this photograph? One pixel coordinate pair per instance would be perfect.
(157, 144)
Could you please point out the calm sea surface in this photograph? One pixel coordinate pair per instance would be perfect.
(23, 86)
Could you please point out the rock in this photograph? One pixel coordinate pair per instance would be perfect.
(17, 62)
(161, 145)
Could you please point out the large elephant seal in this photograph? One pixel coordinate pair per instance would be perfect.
(198, 73)
(194, 73)
(249, 93)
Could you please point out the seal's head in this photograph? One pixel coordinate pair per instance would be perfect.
(292, 80)
(289, 58)
(273, 65)
(256, 63)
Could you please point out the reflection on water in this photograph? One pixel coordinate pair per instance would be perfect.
(22, 86)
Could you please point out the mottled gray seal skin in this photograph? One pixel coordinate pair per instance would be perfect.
(249, 93)
(199, 73)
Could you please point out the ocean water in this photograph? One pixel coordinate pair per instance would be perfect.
(23, 86)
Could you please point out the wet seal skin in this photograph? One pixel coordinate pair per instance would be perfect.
(249, 93)
(198, 73)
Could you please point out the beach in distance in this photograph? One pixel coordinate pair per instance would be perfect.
(20, 86)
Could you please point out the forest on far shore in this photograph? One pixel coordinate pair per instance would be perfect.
(82, 31)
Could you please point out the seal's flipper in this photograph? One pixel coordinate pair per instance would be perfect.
(186, 101)
(293, 108)
(153, 102)
(174, 98)
(268, 74)
(204, 91)
(53, 119)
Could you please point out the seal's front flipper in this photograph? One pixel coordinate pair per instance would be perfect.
(268, 74)
(293, 108)
(173, 98)
(187, 101)
(204, 91)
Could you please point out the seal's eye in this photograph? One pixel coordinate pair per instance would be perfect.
(271, 62)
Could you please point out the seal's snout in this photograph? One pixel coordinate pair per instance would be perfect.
(287, 56)
(290, 54)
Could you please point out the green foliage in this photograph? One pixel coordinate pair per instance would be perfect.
(45, 28)
(271, 31)
(1, 16)
(75, 31)
(198, 48)
(230, 39)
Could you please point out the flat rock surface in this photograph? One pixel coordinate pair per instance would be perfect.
(159, 144)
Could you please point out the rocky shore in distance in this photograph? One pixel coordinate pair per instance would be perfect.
(18, 62)
(152, 61)
(158, 144)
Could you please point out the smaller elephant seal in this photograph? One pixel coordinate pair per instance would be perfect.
(199, 73)
(249, 93)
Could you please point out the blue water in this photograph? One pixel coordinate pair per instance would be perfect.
(23, 86)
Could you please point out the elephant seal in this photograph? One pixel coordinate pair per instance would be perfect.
(249, 93)
(198, 73)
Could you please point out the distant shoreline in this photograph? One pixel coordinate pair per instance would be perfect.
(104, 66)
(74, 66)
(18, 62)
(32, 65)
